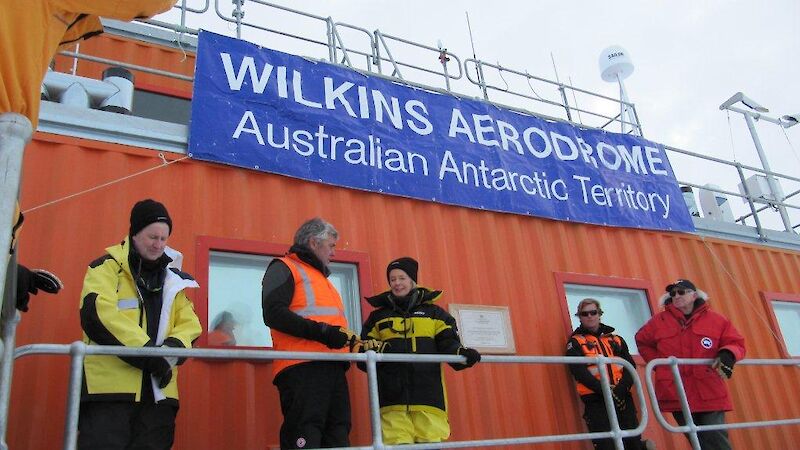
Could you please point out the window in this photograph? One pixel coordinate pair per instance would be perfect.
(344, 277)
(159, 106)
(234, 299)
(232, 270)
(624, 302)
(784, 316)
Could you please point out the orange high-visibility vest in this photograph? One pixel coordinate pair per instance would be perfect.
(314, 298)
(591, 346)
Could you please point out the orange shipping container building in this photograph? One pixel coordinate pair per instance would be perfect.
(476, 257)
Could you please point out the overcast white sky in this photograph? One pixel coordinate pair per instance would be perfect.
(689, 57)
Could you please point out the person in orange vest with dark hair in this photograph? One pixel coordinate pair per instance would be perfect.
(594, 338)
(306, 314)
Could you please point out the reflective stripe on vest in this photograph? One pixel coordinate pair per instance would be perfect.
(311, 308)
(591, 346)
(315, 298)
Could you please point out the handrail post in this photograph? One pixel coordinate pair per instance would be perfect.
(760, 230)
(374, 402)
(687, 414)
(331, 41)
(7, 372)
(77, 352)
(15, 132)
(566, 101)
(238, 13)
(481, 79)
(611, 410)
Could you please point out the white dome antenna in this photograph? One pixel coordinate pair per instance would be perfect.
(615, 62)
(615, 66)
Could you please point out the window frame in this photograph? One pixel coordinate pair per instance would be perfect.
(767, 298)
(204, 245)
(564, 278)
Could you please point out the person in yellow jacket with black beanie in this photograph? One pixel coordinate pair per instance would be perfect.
(594, 338)
(412, 396)
(134, 296)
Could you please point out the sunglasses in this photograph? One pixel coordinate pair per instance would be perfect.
(679, 292)
(588, 313)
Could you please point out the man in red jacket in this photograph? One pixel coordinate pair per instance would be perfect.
(687, 328)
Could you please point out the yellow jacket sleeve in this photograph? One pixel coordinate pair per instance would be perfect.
(185, 324)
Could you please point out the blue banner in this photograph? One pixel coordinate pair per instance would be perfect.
(279, 113)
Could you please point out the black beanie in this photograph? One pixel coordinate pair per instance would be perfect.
(146, 212)
(406, 264)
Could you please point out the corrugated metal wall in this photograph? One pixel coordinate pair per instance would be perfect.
(476, 257)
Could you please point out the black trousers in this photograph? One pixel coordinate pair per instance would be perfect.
(315, 402)
(126, 426)
(709, 440)
(596, 418)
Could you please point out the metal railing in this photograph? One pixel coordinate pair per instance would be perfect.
(562, 102)
(690, 428)
(752, 201)
(79, 350)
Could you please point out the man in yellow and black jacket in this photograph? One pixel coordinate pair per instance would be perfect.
(134, 296)
(412, 395)
(593, 338)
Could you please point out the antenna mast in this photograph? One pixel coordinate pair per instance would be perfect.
(615, 66)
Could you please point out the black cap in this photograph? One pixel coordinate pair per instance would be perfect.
(146, 212)
(686, 284)
(406, 264)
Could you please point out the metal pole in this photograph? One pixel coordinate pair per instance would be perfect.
(760, 230)
(611, 409)
(239, 15)
(6, 372)
(687, 413)
(566, 102)
(482, 80)
(374, 404)
(78, 352)
(773, 183)
(15, 132)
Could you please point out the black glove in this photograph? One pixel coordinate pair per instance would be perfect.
(472, 355)
(30, 281)
(157, 365)
(337, 337)
(159, 368)
(46, 281)
(164, 379)
(723, 364)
